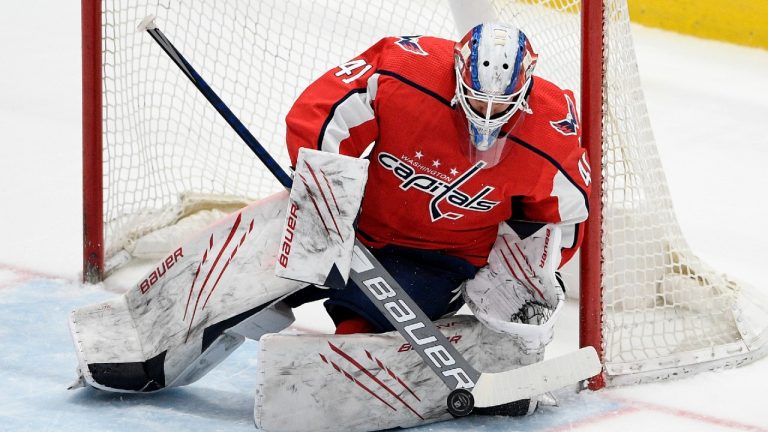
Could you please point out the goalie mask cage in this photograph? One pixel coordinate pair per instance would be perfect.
(157, 157)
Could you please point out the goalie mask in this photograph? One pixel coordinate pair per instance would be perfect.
(494, 66)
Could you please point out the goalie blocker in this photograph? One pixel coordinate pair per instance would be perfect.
(319, 231)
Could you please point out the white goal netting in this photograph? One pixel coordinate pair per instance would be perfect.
(171, 163)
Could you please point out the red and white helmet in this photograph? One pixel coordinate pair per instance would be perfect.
(494, 65)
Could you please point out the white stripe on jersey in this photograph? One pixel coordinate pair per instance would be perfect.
(571, 204)
(353, 111)
(569, 236)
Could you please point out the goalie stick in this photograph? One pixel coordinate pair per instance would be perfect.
(468, 387)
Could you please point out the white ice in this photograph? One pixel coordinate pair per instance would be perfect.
(708, 103)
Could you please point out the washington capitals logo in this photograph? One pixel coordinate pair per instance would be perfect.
(442, 192)
(570, 124)
(411, 44)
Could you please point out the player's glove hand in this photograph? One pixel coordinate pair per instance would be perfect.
(518, 292)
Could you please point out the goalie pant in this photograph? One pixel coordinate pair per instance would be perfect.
(413, 269)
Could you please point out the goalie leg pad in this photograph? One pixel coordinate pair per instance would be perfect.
(366, 382)
(173, 326)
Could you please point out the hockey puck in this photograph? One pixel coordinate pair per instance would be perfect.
(460, 402)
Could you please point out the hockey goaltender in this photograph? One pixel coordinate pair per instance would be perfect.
(427, 174)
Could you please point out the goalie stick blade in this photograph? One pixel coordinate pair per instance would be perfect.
(529, 381)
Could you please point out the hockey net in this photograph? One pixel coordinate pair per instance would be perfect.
(169, 163)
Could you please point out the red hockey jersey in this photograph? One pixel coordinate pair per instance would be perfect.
(395, 101)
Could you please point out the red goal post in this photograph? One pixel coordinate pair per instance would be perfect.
(93, 222)
(591, 252)
(157, 161)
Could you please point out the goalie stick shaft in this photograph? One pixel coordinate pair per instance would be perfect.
(367, 273)
(218, 104)
(410, 321)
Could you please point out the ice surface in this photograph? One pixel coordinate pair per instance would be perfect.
(708, 104)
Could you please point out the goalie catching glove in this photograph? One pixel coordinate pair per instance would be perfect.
(518, 292)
